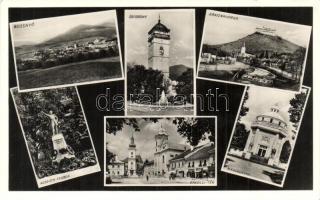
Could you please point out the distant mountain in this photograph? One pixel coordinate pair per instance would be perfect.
(177, 70)
(255, 43)
(107, 30)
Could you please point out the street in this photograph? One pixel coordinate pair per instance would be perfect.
(163, 180)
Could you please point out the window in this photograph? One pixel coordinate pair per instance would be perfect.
(118, 172)
(112, 166)
(192, 163)
(188, 164)
(171, 155)
(200, 164)
(163, 159)
(271, 120)
(205, 163)
(262, 150)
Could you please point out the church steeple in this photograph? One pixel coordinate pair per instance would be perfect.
(132, 144)
(159, 20)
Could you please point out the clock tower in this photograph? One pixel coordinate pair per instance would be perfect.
(158, 48)
(161, 139)
(132, 165)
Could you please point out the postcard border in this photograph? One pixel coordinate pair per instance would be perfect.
(160, 185)
(223, 169)
(74, 174)
(69, 84)
(193, 12)
(263, 19)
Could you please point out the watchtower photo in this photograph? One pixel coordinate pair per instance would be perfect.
(159, 62)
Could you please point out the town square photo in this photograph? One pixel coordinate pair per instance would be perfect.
(160, 62)
(265, 133)
(247, 50)
(66, 50)
(56, 134)
(160, 151)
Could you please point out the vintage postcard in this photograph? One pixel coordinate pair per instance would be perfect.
(56, 133)
(248, 50)
(160, 151)
(67, 50)
(160, 62)
(265, 133)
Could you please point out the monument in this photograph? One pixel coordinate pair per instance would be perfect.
(61, 148)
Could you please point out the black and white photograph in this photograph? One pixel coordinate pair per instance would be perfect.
(56, 134)
(265, 134)
(66, 50)
(160, 62)
(160, 151)
(247, 50)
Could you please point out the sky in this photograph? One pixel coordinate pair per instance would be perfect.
(47, 28)
(220, 30)
(181, 24)
(260, 101)
(144, 140)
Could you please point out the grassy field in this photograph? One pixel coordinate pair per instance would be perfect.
(92, 70)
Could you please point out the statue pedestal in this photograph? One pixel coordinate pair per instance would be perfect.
(62, 150)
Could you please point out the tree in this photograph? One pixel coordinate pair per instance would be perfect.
(195, 129)
(240, 136)
(285, 152)
(296, 108)
(139, 77)
(185, 84)
(244, 109)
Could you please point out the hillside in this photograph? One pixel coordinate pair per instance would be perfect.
(177, 70)
(84, 31)
(255, 43)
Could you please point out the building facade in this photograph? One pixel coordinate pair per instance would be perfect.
(158, 48)
(116, 168)
(165, 151)
(196, 163)
(269, 131)
(132, 164)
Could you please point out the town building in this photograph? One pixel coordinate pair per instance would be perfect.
(165, 151)
(269, 131)
(196, 163)
(116, 168)
(132, 166)
(158, 48)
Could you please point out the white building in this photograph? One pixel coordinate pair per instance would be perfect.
(116, 168)
(269, 131)
(165, 151)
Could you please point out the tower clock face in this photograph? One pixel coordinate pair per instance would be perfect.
(161, 50)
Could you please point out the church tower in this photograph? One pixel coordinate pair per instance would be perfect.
(161, 139)
(132, 165)
(243, 49)
(158, 48)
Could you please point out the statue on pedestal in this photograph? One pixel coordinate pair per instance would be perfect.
(61, 148)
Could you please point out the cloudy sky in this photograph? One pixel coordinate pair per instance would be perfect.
(220, 30)
(47, 28)
(181, 24)
(261, 100)
(144, 139)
